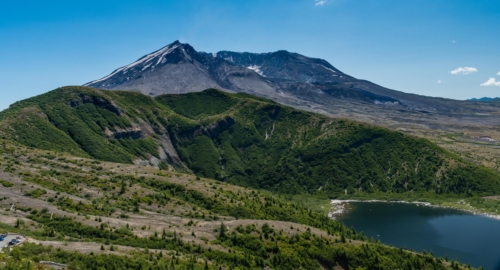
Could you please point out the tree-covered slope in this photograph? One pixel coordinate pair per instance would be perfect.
(241, 139)
(88, 214)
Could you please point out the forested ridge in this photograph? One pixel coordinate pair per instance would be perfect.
(241, 139)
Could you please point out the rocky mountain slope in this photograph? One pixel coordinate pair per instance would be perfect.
(241, 139)
(179, 68)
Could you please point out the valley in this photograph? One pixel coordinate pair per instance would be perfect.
(85, 213)
(249, 135)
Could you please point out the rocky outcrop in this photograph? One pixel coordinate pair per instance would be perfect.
(132, 133)
(168, 153)
(97, 101)
(220, 126)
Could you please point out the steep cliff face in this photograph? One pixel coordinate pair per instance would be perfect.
(97, 101)
(127, 133)
(89, 122)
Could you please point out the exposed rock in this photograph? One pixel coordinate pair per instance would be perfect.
(168, 153)
(154, 161)
(220, 126)
(98, 101)
(132, 133)
(146, 128)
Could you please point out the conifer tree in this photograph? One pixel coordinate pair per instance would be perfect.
(222, 231)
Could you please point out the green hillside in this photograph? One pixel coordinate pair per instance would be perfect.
(241, 139)
(89, 214)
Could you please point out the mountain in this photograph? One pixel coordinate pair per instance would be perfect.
(179, 68)
(241, 139)
(302, 82)
(485, 99)
(115, 179)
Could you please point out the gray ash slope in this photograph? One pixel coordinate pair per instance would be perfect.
(178, 68)
(289, 78)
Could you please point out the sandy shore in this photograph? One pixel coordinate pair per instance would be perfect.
(339, 207)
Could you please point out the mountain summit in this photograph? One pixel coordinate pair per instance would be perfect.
(179, 68)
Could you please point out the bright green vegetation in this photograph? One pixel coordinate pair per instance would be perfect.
(254, 248)
(195, 105)
(244, 140)
(6, 184)
(36, 193)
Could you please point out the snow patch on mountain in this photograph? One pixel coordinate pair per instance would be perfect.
(330, 69)
(143, 60)
(257, 69)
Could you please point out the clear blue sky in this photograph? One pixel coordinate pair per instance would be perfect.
(412, 46)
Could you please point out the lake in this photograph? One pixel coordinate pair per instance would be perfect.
(473, 239)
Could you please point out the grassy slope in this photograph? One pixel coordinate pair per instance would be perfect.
(131, 217)
(258, 144)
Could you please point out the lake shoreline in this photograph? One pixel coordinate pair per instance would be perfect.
(339, 207)
(421, 225)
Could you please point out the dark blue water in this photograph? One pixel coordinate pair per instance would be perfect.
(458, 235)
